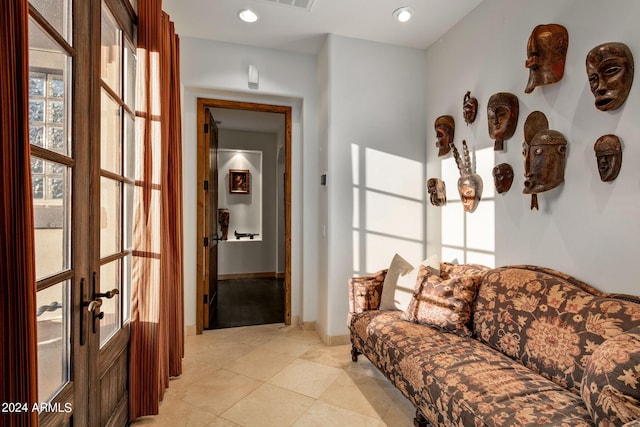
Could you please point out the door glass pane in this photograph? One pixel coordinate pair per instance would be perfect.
(130, 76)
(53, 339)
(48, 93)
(57, 13)
(126, 289)
(110, 64)
(110, 134)
(128, 215)
(109, 279)
(51, 195)
(129, 146)
(109, 217)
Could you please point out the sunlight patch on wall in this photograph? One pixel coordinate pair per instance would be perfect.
(469, 237)
(388, 208)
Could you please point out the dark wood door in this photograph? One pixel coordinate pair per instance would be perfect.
(211, 218)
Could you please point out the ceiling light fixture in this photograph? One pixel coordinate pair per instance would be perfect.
(403, 14)
(247, 15)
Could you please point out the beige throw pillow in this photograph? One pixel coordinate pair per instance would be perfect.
(400, 281)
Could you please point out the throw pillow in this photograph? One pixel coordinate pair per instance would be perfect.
(444, 304)
(611, 383)
(401, 280)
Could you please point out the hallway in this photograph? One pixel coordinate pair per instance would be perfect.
(276, 375)
(246, 302)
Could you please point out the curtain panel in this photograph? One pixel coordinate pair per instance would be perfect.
(157, 323)
(17, 251)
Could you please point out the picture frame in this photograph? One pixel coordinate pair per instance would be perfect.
(239, 181)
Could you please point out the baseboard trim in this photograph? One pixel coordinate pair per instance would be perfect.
(190, 330)
(265, 275)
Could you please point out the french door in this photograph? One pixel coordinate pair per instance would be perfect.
(81, 121)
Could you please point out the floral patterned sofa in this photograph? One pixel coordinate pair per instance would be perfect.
(540, 348)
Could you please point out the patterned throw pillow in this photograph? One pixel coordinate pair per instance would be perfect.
(444, 304)
(611, 382)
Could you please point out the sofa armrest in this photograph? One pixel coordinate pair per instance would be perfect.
(634, 423)
(365, 293)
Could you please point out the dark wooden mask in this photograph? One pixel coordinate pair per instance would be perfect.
(437, 191)
(610, 71)
(469, 108)
(445, 129)
(546, 54)
(544, 152)
(502, 117)
(609, 157)
(503, 177)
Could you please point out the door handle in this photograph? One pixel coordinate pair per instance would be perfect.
(108, 295)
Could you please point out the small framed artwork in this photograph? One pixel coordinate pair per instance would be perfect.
(239, 181)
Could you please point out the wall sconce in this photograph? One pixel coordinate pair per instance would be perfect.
(254, 77)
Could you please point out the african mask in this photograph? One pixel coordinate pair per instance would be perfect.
(445, 127)
(502, 116)
(609, 155)
(610, 71)
(544, 153)
(437, 192)
(546, 53)
(469, 183)
(503, 177)
(469, 108)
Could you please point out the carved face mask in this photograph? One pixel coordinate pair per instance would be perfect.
(469, 108)
(445, 127)
(437, 192)
(610, 71)
(544, 162)
(469, 183)
(503, 177)
(609, 156)
(502, 116)
(546, 54)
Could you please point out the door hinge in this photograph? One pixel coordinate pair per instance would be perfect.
(206, 185)
(206, 128)
(205, 299)
(205, 242)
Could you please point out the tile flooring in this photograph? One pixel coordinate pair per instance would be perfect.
(276, 375)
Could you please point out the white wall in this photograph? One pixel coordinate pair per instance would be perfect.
(254, 212)
(373, 110)
(219, 70)
(586, 228)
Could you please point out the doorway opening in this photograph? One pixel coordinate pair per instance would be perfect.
(248, 230)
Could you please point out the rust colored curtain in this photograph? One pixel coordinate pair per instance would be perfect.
(17, 259)
(157, 323)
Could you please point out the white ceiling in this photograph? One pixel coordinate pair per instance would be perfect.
(299, 30)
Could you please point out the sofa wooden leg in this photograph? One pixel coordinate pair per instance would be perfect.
(354, 353)
(420, 420)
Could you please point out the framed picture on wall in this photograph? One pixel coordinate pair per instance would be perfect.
(239, 181)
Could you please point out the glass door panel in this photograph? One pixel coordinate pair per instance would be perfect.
(109, 217)
(110, 150)
(53, 339)
(110, 280)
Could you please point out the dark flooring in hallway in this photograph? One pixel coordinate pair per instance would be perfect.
(245, 302)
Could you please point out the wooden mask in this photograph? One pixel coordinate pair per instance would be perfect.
(610, 71)
(469, 108)
(546, 54)
(544, 153)
(503, 177)
(445, 129)
(502, 117)
(609, 156)
(469, 183)
(437, 191)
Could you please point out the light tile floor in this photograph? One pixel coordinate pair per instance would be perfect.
(276, 375)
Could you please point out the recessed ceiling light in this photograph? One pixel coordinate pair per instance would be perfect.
(403, 14)
(247, 15)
